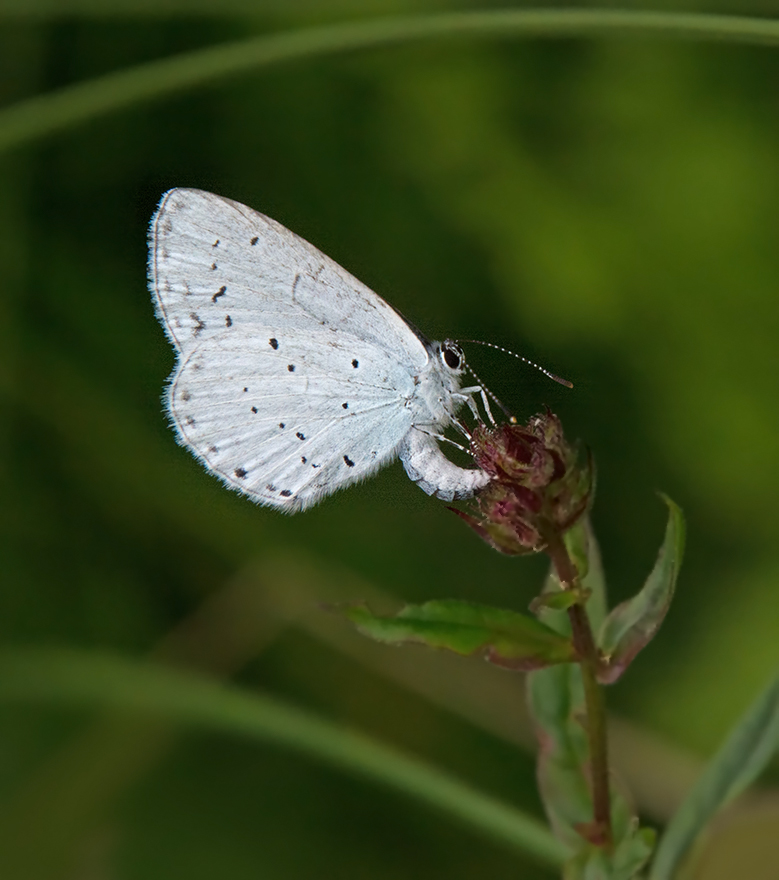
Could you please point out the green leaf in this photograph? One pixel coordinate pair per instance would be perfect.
(559, 601)
(633, 624)
(577, 543)
(557, 705)
(632, 853)
(506, 638)
(98, 680)
(629, 856)
(594, 578)
(744, 755)
(582, 545)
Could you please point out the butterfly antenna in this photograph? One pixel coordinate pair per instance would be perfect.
(493, 397)
(551, 375)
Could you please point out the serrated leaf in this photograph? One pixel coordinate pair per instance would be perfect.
(633, 624)
(506, 638)
(746, 752)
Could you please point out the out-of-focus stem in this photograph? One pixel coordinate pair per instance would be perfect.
(596, 720)
(584, 643)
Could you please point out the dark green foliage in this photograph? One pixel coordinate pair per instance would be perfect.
(605, 208)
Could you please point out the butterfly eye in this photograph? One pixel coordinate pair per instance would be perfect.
(452, 355)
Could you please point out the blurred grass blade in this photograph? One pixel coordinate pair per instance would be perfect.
(43, 10)
(45, 114)
(744, 755)
(100, 680)
(505, 638)
(633, 624)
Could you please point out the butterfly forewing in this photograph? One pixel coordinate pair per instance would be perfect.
(218, 268)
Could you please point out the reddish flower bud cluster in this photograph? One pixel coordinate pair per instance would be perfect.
(538, 488)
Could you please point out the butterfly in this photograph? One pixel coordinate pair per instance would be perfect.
(293, 379)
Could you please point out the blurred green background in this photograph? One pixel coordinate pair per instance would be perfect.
(605, 207)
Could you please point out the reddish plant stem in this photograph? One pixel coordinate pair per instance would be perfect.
(584, 643)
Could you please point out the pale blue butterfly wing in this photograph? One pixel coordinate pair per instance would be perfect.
(293, 378)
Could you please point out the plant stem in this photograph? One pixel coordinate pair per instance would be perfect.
(584, 643)
(596, 720)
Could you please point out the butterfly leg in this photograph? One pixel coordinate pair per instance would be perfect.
(486, 401)
(441, 438)
(464, 395)
(462, 428)
(468, 399)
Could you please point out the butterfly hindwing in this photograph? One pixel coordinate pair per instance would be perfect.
(287, 422)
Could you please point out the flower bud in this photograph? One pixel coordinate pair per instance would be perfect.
(538, 488)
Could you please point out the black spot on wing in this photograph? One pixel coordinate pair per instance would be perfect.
(228, 321)
(282, 425)
(300, 435)
(286, 493)
(274, 343)
(254, 241)
(349, 462)
(345, 405)
(214, 267)
(355, 363)
(254, 410)
(221, 292)
(291, 368)
(240, 473)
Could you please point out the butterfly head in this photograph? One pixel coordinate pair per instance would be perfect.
(451, 356)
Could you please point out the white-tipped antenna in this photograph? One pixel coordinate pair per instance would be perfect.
(552, 376)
